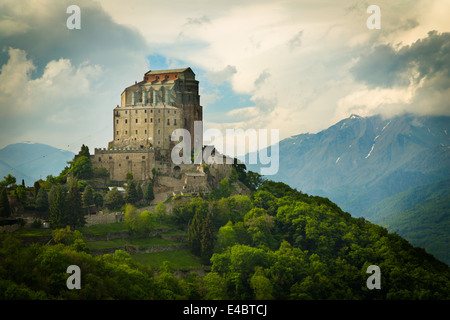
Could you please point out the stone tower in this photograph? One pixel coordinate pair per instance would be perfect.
(152, 109)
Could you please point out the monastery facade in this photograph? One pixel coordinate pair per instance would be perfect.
(150, 110)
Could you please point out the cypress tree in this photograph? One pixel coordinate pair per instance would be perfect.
(139, 192)
(88, 196)
(207, 239)
(114, 199)
(42, 200)
(149, 195)
(57, 206)
(131, 193)
(98, 198)
(37, 186)
(5, 208)
(194, 234)
(74, 211)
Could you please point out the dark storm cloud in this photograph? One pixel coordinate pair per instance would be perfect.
(42, 32)
(387, 67)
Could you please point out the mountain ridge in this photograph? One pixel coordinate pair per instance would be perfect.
(360, 161)
(32, 161)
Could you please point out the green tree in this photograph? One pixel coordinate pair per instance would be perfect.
(84, 152)
(74, 210)
(101, 172)
(5, 208)
(139, 223)
(21, 193)
(261, 285)
(131, 195)
(226, 237)
(254, 180)
(81, 168)
(207, 239)
(129, 176)
(88, 196)
(215, 287)
(149, 195)
(98, 199)
(131, 217)
(57, 206)
(42, 200)
(194, 234)
(36, 186)
(8, 181)
(224, 188)
(139, 192)
(234, 176)
(160, 211)
(145, 223)
(114, 199)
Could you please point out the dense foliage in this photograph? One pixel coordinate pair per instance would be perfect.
(276, 243)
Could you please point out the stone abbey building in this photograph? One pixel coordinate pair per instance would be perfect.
(150, 111)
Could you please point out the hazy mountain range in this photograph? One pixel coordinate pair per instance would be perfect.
(379, 169)
(32, 161)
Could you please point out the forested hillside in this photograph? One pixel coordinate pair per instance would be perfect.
(417, 214)
(368, 164)
(277, 243)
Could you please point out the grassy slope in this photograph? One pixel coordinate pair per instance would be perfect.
(179, 259)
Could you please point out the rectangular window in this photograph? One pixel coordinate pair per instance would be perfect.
(168, 122)
(174, 122)
(159, 120)
(117, 121)
(126, 132)
(117, 132)
(136, 120)
(145, 131)
(159, 131)
(151, 119)
(136, 132)
(126, 121)
(99, 159)
(145, 120)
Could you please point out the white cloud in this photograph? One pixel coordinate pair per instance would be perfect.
(58, 101)
(59, 86)
(218, 77)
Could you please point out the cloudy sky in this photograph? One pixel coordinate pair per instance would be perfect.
(292, 65)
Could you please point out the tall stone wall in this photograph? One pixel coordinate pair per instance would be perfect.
(118, 162)
(146, 126)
